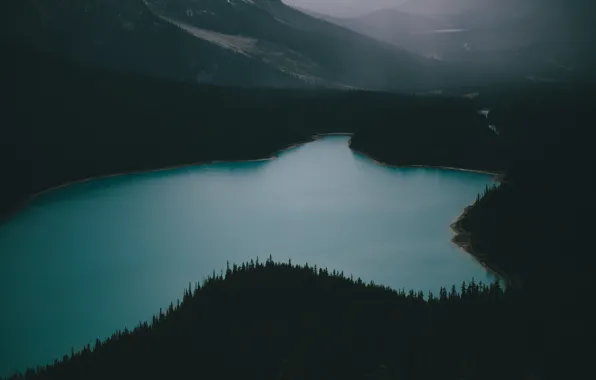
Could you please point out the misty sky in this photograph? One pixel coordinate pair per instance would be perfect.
(344, 8)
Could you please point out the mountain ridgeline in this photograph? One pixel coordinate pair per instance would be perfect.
(127, 37)
(238, 42)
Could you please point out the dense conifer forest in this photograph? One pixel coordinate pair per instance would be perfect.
(284, 321)
(536, 225)
(68, 122)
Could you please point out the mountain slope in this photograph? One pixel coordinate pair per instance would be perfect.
(125, 35)
(243, 42)
(290, 38)
(506, 39)
(409, 31)
(550, 30)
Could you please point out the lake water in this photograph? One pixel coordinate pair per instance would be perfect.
(82, 261)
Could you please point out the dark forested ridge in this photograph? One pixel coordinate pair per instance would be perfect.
(446, 134)
(536, 225)
(68, 122)
(281, 321)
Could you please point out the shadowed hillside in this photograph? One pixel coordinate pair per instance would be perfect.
(536, 225)
(126, 36)
(534, 40)
(255, 43)
(280, 321)
(447, 132)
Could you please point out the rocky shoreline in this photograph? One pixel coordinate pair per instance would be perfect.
(463, 239)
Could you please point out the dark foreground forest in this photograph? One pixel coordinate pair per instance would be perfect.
(281, 321)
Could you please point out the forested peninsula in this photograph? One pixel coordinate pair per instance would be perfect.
(268, 320)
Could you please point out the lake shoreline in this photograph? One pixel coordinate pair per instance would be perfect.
(496, 175)
(272, 157)
(173, 167)
(31, 198)
(78, 232)
(463, 239)
(302, 291)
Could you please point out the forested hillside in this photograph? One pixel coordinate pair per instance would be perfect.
(282, 321)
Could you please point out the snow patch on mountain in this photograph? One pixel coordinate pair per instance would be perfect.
(239, 44)
(191, 12)
(288, 61)
(285, 60)
(283, 22)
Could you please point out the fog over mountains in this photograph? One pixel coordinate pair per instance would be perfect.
(344, 8)
(534, 39)
(414, 45)
(241, 42)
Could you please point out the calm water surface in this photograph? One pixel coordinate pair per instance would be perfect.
(85, 260)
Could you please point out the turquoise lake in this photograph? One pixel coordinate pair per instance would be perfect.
(85, 260)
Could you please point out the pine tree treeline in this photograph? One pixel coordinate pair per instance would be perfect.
(488, 190)
(535, 225)
(134, 123)
(255, 319)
